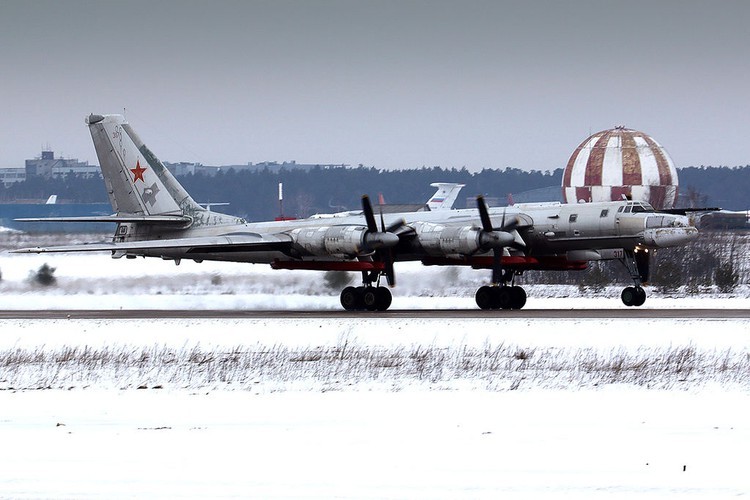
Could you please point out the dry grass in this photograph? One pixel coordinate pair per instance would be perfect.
(279, 368)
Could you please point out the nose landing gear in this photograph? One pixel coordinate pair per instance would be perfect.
(637, 264)
(633, 296)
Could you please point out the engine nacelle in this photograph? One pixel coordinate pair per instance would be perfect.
(336, 241)
(440, 240)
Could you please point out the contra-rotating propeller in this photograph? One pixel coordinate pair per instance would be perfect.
(496, 238)
(374, 239)
(384, 240)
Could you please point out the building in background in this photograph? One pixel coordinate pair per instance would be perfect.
(13, 174)
(48, 166)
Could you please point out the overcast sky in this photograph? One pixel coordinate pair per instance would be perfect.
(394, 84)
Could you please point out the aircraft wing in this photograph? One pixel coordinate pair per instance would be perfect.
(237, 242)
(147, 219)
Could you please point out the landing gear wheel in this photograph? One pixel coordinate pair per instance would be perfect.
(518, 297)
(628, 296)
(641, 299)
(633, 296)
(485, 297)
(350, 298)
(370, 298)
(503, 297)
(384, 299)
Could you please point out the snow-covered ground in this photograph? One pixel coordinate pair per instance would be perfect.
(366, 408)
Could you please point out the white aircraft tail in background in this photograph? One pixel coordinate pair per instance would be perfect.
(445, 196)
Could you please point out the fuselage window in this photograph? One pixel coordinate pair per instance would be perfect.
(573, 217)
(604, 213)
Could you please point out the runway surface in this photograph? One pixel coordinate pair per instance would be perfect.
(395, 314)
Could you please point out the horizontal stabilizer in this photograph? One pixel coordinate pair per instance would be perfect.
(144, 219)
(247, 242)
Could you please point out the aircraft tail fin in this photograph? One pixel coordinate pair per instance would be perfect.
(445, 196)
(137, 183)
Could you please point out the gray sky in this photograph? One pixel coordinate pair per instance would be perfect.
(393, 84)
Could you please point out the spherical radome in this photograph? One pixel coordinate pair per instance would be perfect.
(618, 163)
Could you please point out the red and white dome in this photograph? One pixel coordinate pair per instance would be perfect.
(620, 162)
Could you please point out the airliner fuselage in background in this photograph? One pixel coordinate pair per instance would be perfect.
(156, 217)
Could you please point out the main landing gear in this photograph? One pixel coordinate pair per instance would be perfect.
(366, 297)
(501, 295)
(637, 264)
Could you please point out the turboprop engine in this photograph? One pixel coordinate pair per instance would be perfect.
(337, 241)
(440, 240)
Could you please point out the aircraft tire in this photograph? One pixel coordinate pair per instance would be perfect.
(350, 298)
(370, 298)
(630, 296)
(485, 297)
(518, 297)
(640, 296)
(504, 297)
(384, 299)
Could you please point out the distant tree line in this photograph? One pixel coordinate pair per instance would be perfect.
(253, 195)
(725, 187)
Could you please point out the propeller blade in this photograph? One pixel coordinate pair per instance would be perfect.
(484, 215)
(497, 267)
(510, 225)
(387, 256)
(395, 226)
(518, 242)
(390, 273)
(372, 226)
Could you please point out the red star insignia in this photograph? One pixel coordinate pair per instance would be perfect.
(138, 171)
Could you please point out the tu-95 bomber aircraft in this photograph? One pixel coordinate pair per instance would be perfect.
(156, 217)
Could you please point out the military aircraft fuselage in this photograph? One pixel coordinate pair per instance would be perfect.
(543, 230)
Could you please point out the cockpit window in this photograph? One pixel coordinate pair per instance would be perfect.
(628, 209)
(640, 207)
